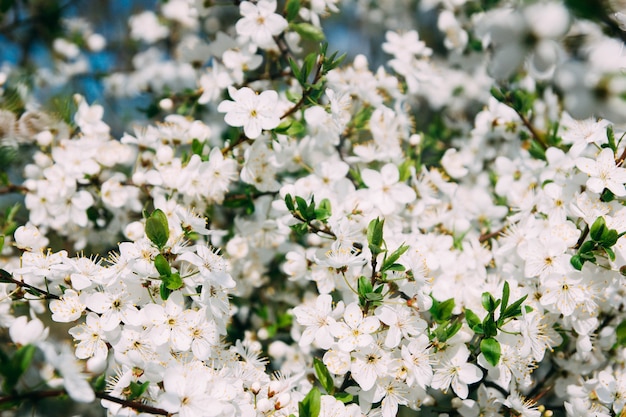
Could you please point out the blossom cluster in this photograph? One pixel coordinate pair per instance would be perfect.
(288, 233)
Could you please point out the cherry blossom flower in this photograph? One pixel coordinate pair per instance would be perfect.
(260, 23)
(255, 112)
(355, 330)
(603, 173)
(452, 369)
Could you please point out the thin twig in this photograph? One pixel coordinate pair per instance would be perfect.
(6, 277)
(13, 188)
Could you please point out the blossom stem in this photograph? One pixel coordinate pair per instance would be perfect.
(343, 274)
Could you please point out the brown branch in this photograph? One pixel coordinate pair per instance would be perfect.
(315, 229)
(241, 139)
(38, 395)
(144, 408)
(13, 188)
(535, 134)
(8, 278)
(485, 237)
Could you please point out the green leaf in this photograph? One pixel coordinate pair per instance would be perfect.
(373, 296)
(621, 333)
(506, 292)
(610, 253)
(302, 207)
(344, 397)
(453, 329)
(489, 327)
(296, 70)
(514, 310)
(137, 390)
(197, 147)
(587, 247)
(100, 383)
(472, 319)
(364, 286)
(359, 121)
(577, 262)
(173, 282)
(490, 348)
(310, 405)
(375, 235)
(610, 135)
(609, 238)
(442, 311)
(1, 242)
(23, 357)
(12, 369)
(289, 202)
(497, 94)
(162, 266)
(391, 259)
(292, 7)
(489, 303)
(324, 376)
(396, 267)
(308, 31)
(164, 292)
(607, 196)
(597, 229)
(536, 150)
(323, 210)
(157, 229)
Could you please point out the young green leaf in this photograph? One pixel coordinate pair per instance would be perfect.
(311, 404)
(490, 348)
(164, 292)
(597, 229)
(162, 266)
(472, 319)
(391, 259)
(157, 229)
(308, 31)
(292, 7)
(577, 262)
(375, 235)
(620, 331)
(173, 281)
(324, 376)
(506, 292)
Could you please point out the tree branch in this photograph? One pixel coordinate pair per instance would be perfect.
(8, 278)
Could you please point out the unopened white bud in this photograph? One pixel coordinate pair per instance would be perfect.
(166, 104)
(255, 388)
(282, 401)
